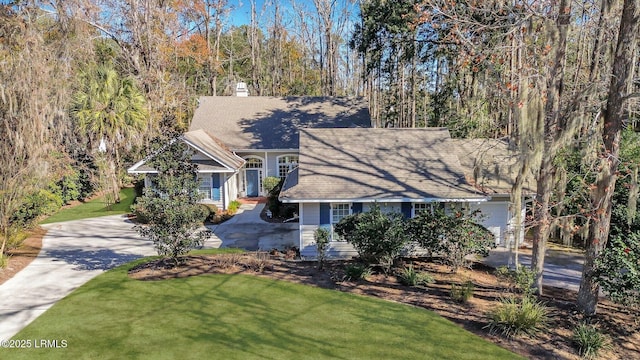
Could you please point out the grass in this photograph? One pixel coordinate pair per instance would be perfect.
(94, 208)
(240, 317)
(514, 317)
(589, 341)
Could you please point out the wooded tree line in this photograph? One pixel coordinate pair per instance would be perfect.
(84, 85)
(560, 79)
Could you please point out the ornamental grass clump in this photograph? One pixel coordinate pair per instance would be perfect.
(356, 272)
(410, 277)
(463, 292)
(514, 317)
(589, 340)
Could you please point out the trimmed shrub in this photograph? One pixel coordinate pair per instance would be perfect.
(270, 182)
(233, 207)
(463, 292)
(514, 317)
(356, 272)
(210, 210)
(139, 212)
(377, 237)
(410, 277)
(589, 340)
(452, 236)
(67, 188)
(42, 202)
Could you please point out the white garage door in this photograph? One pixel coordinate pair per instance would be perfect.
(495, 217)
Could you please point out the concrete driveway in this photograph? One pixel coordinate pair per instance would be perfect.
(246, 230)
(72, 253)
(562, 268)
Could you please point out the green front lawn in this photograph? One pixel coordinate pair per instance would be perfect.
(240, 317)
(94, 208)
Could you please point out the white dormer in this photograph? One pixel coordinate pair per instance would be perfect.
(242, 90)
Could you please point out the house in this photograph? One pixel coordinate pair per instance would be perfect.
(345, 171)
(336, 164)
(241, 140)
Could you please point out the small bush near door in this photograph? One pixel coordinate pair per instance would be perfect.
(233, 207)
(270, 182)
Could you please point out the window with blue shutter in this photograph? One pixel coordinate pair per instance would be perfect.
(356, 208)
(325, 214)
(216, 194)
(406, 209)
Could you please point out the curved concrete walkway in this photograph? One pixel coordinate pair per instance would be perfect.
(72, 253)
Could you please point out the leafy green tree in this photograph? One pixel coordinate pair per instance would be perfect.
(110, 111)
(617, 270)
(453, 236)
(171, 205)
(378, 237)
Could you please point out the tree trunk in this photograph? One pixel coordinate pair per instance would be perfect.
(552, 130)
(613, 119)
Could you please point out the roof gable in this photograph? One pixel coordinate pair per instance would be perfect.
(274, 122)
(214, 156)
(214, 148)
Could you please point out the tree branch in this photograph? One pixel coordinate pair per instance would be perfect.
(631, 96)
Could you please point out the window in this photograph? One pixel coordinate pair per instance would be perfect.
(418, 207)
(286, 163)
(205, 187)
(338, 211)
(253, 163)
(431, 207)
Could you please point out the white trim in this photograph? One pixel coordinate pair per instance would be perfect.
(413, 206)
(261, 173)
(388, 200)
(129, 171)
(136, 165)
(216, 171)
(297, 163)
(300, 225)
(266, 150)
(132, 170)
(211, 156)
(199, 171)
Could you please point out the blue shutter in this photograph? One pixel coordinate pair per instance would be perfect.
(406, 210)
(216, 195)
(356, 208)
(325, 214)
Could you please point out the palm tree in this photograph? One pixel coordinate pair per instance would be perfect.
(111, 111)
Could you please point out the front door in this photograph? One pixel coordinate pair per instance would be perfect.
(253, 178)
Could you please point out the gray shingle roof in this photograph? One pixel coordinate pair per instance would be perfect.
(378, 164)
(222, 158)
(491, 165)
(257, 122)
(214, 147)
